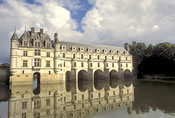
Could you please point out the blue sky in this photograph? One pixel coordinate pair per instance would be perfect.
(109, 22)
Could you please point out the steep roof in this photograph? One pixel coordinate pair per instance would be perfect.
(14, 36)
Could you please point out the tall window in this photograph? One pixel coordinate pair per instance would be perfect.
(24, 63)
(105, 57)
(37, 52)
(37, 104)
(106, 64)
(98, 64)
(25, 43)
(126, 65)
(47, 102)
(24, 115)
(37, 62)
(81, 56)
(126, 58)
(74, 56)
(48, 45)
(89, 56)
(98, 57)
(64, 64)
(25, 53)
(37, 44)
(48, 54)
(75, 64)
(64, 55)
(91, 64)
(112, 57)
(36, 115)
(112, 64)
(24, 105)
(47, 63)
(82, 64)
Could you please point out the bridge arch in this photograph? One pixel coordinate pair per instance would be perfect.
(36, 83)
(83, 83)
(128, 77)
(99, 79)
(68, 82)
(114, 78)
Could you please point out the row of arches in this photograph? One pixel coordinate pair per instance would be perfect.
(100, 79)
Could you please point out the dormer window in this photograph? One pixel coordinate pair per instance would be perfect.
(104, 51)
(37, 44)
(48, 45)
(89, 49)
(124, 52)
(111, 51)
(73, 48)
(25, 43)
(97, 50)
(81, 49)
(63, 47)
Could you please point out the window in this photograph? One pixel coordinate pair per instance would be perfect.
(25, 43)
(24, 63)
(82, 64)
(121, 65)
(47, 102)
(48, 111)
(89, 56)
(105, 57)
(75, 64)
(112, 57)
(47, 63)
(112, 64)
(36, 115)
(81, 56)
(106, 64)
(24, 105)
(37, 52)
(98, 64)
(83, 97)
(48, 45)
(126, 65)
(37, 44)
(48, 54)
(64, 64)
(64, 55)
(25, 53)
(126, 58)
(91, 64)
(24, 115)
(37, 62)
(74, 56)
(37, 104)
(98, 57)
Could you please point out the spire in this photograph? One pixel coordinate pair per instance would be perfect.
(14, 36)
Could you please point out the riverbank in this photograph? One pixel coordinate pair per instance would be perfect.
(4, 76)
(155, 80)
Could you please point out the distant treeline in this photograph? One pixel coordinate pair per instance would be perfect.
(153, 60)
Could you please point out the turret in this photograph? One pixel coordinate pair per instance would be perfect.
(56, 51)
(13, 51)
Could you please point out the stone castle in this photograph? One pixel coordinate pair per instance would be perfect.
(55, 60)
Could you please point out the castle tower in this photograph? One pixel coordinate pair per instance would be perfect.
(13, 52)
(56, 52)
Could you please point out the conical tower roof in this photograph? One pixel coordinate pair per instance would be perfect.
(14, 36)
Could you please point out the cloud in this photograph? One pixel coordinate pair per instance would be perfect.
(118, 21)
(112, 22)
(50, 15)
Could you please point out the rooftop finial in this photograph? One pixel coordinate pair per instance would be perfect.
(56, 37)
(25, 27)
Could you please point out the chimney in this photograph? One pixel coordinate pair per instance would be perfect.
(41, 31)
(32, 29)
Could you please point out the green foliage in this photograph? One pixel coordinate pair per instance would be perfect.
(153, 60)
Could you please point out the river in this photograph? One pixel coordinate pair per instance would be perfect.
(136, 99)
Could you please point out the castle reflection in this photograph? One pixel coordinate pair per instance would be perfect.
(70, 100)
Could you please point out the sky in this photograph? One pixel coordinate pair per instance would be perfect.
(110, 22)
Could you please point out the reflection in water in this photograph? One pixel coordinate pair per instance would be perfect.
(55, 101)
